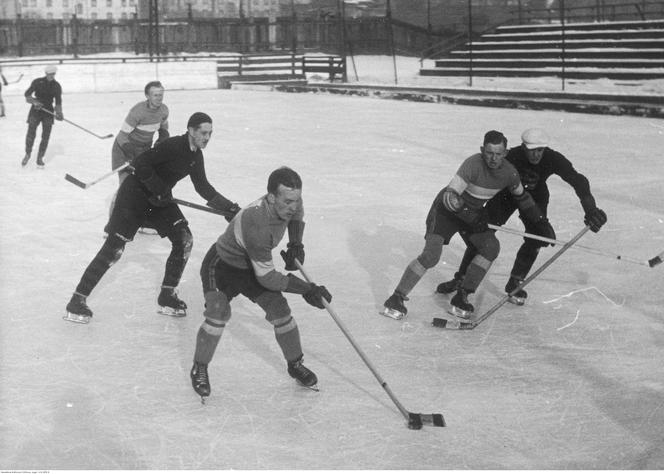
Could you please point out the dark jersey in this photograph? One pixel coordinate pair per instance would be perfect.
(533, 177)
(172, 160)
(45, 92)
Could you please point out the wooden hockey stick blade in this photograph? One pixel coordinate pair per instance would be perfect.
(452, 324)
(75, 181)
(417, 420)
(656, 260)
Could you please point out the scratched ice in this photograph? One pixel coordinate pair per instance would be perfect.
(518, 392)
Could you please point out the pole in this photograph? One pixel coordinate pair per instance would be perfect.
(388, 18)
(470, 43)
(562, 38)
(341, 12)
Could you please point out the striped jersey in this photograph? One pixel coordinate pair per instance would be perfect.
(476, 183)
(141, 123)
(249, 240)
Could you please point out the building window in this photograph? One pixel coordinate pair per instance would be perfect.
(24, 3)
(66, 15)
(93, 15)
(109, 3)
(33, 4)
(49, 16)
(123, 16)
(109, 16)
(49, 3)
(124, 3)
(93, 3)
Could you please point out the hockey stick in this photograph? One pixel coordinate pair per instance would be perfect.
(650, 263)
(200, 207)
(20, 76)
(415, 420)
(446, 323)
(83, 185)
(110, 135)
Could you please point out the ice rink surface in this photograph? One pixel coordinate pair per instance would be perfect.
(572, 380)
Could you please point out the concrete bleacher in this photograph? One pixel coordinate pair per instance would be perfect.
(614, 50)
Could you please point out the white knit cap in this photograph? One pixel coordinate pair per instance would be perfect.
(50, 69)
(535, 138)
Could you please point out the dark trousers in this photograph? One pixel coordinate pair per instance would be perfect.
(35, 117)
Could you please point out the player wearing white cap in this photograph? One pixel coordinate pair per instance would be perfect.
(41, 94)
(535, 162)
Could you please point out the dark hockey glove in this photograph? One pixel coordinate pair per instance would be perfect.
(58, 113)
(231, 212)
(228, 207)
(543, 227)
(476, 220)
(295, 250)
(595, 218)
(315, 296)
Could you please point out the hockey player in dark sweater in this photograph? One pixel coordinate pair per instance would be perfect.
(41, 94)
(535, 162)
(145, 196)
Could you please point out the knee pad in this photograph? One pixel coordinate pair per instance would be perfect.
(487, 245)
(276, 308)
(182, 238)
(112, 250)
(433, 249)
(217, 307)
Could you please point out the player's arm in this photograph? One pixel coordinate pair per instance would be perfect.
(260, 254)
(531, 211)
(29, 95)
(593, 216)
(214, 198)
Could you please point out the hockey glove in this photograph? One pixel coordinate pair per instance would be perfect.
(543, 227)
(231, 212)
(476, 220)
(595, 218)
(295, 250)
(58, 113)
(35, 103)
(220, 203)
(315, 296)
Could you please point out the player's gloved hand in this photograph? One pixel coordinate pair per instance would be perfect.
(477, 220)
(295, 250)
(315, 296)
(231, 212)
(36, 104)
(543, 227)
(58, 113)
(595, 218)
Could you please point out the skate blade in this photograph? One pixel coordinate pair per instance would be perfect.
(460, 313)
(516, 300)
(77, 318)
(147, 231)
(313, 388)
(392, 313)
(168, 311)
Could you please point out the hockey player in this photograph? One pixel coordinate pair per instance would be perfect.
(535, 162)
(3, 80)
(240, 262)
(138, 129)
(459, 207)
(41, 94)
(146, 194)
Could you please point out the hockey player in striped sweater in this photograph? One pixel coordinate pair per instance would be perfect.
(459, 207)
(240, 262)
(535, 162)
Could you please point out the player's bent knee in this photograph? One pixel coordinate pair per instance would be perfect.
(433, 249)
(276, 307)
(217, 307)
(487, 246)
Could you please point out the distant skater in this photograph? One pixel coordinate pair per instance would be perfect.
(3, 80)
(41, 94)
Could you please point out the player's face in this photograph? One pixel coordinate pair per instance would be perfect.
(535, 155)
(50, 77)
(493, 154)
(155, 96)
(201, 136)
(286, 202)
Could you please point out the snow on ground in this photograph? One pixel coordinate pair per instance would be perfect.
(572, 380)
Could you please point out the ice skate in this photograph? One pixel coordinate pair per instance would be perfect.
(394, 307)
(461, 308)
(40, 162)
(170, 304)
(77, 310)
(450, 286)
(518, 298)
(25, 159)
(200, 380)
(303, 375)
